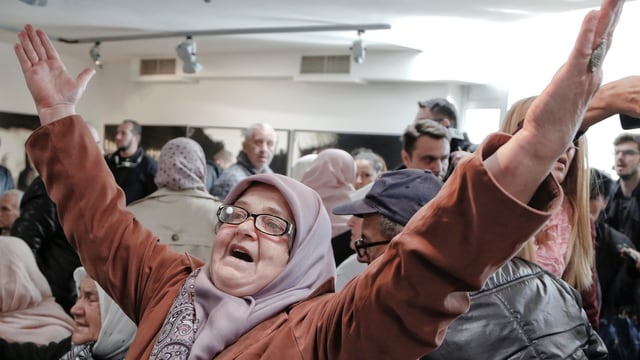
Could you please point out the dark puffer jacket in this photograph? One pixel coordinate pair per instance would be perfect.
(522, 312)
(39, 226)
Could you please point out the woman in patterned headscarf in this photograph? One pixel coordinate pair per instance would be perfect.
(181, 213)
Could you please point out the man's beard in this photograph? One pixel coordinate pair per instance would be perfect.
(628, 176)
(125, 147)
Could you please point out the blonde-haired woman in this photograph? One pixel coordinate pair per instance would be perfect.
(564, 246)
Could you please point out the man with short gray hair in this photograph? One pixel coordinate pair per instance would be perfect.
(257, 152)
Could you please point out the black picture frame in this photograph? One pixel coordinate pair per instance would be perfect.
(15, 129)
(388, 146)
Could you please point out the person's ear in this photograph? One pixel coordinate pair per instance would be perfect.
(406, 158)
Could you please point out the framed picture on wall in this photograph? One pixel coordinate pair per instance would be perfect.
(213, 139)
(388, 146)
(152, 139)
(15, 128)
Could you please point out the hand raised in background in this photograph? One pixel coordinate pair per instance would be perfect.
(54, 91)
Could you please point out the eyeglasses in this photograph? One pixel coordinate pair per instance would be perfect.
(628, 152)
(266, 223)
(361, 246)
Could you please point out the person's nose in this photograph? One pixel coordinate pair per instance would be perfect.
(76, 309)
(437, 168)
(445, 122)
(248, 228)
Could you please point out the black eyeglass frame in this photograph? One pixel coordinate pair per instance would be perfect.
(361, 246)
(290, 228)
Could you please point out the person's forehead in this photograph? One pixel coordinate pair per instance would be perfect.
(627, 144)
(125, 127)
(264, 198)
(8, 198)
(88, 285)
(361, 163)
(426, 143)
(263, 134)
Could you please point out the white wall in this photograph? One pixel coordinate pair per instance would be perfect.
(223, 96)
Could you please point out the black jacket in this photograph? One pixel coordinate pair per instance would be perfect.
(135, 175)
(31, 351)
(213, 173)
(625, 219)
(39, 226)
(618, 276)
(522, 312)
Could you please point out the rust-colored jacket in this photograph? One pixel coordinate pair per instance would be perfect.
(398, 308)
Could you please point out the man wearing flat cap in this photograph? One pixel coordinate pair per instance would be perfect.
(388, 206)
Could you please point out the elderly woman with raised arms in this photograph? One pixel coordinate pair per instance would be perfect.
(266, 291)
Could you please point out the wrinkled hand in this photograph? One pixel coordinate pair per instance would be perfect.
(557, 113)
(54, 91)
(553, 119)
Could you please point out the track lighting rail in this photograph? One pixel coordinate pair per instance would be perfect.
(219, 32)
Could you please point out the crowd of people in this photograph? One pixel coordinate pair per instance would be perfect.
(512, 248)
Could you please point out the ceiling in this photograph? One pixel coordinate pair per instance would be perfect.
(92, 18)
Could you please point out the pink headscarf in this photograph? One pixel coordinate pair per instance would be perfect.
(332, 175)
(29, 312)
(224, 318)
(181, 165)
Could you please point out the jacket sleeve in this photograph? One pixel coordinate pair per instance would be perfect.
(124, 257)
(37, 221)
(401, 305)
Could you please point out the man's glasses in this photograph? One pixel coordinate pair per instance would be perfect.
(266, 223)
(361, 246)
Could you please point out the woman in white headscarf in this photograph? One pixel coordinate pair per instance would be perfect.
(181, 213)
(101, 332)
(28, 310)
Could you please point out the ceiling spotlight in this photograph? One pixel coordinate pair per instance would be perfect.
(187, 53)
(35, 2)
(358, 49)
(95, 55)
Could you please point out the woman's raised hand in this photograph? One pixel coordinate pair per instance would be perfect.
(557, 113)
(54, 91)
